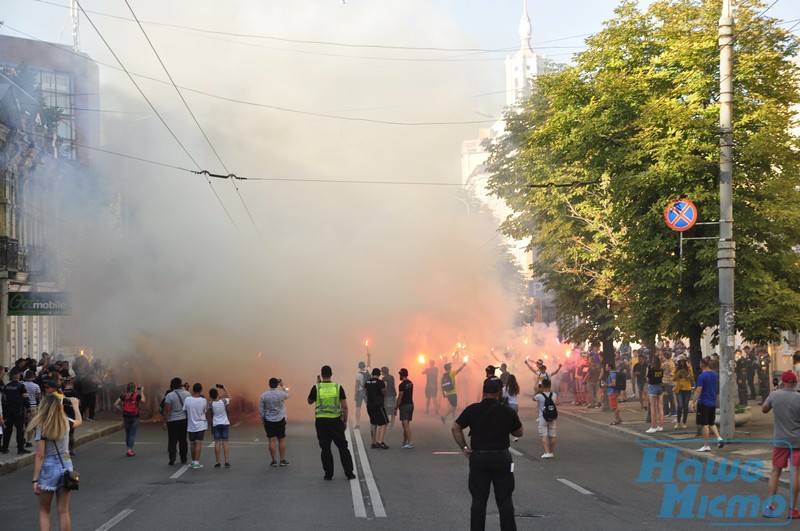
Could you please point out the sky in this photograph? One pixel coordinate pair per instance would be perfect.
(347, 119)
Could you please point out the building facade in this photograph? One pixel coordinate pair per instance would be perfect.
(48, 125)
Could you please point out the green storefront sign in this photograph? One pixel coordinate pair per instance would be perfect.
(38, 303)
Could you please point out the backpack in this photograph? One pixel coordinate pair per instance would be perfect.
(549, 411)
(447, 383)
(130, 406)
(622, 383)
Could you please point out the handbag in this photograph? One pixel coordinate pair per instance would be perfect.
(72, 479)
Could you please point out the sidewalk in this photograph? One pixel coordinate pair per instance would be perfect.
(746, 445)
(106, 423)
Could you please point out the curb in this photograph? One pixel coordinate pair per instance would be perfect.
(28, 459)
(637, 436)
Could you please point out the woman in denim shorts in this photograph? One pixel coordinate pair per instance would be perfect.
(51, 428)
(220, 425)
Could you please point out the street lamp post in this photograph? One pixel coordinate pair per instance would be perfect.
(726, 250)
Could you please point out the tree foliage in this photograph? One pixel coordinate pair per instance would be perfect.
(592, 158)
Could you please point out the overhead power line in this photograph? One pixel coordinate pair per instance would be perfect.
(196, 122)
(174, 136)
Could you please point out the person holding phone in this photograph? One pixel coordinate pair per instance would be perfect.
(220, 425)
(128, 403)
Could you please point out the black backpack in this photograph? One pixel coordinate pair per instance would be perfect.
(447, 382)
(549, 410)
(621, 382)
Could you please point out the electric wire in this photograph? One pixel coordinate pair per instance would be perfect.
(174, 136)
(196, 122)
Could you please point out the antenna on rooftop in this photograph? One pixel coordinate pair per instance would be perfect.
(74, 14)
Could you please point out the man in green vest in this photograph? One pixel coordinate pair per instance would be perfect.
(331, 420)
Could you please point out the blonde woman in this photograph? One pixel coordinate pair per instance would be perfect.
(50, 429)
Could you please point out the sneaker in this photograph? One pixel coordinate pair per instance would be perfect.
(660, 428)
(769, 512)
(375, 445)
(547, 455)
(130, 453)
(284, 462)
(409, 445)
(198, 465)
(405, 446)
(650, 430)
(795, 514)
(274, 463)
(704, 448)
(228, 465)
(720, 443)
(217, 465)
(383, 446)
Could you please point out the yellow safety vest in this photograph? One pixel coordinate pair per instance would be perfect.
(328, 404)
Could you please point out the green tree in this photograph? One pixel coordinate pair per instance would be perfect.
(591, 160)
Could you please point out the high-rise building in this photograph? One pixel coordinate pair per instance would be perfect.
(520, 68)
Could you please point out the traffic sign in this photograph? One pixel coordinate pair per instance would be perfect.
(680, 215)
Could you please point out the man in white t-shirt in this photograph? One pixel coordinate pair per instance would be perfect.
(547, 428)
(196, 408)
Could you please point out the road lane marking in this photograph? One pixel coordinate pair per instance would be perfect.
(515, 452)
(114, 521)
(355, 486)
(372, 487)
(447, 453)
(572, 485)
(180, 472)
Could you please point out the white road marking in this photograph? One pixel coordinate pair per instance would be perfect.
(180, 472)
(114, 521)
(447, 453)
(372, 487)
(355, 486)
(515, 452)
(572, 485)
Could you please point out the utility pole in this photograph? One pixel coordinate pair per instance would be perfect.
(726, 250)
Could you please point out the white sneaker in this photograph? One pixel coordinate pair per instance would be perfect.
(546, 456)
(650, 430)
(704, 448)
(660, 428)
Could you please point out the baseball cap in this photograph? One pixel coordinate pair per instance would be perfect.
(492, 386)
(789, 377)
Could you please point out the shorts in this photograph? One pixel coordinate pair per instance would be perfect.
(391, 404)
(431, 392)
(548, 429)
(453, 399)
(360, 398)
(406, 411)
(196, 436)
(377, 416)
(221, 432)
(51, 475)
(612, 401)
(655, 389)
(275, 429)
(706, 415)
(780, 456)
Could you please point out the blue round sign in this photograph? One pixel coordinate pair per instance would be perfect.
(680, 215)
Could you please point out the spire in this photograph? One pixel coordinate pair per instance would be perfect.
(525, 29)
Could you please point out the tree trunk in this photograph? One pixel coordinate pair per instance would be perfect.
(695, 348)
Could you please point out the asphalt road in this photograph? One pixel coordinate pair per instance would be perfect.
(591, 484)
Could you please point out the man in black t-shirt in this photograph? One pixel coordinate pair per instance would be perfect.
(376, 393)
(405, 404)
(490, 462)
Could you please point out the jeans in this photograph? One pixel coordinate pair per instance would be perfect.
(176, 438)
(486, 469)
(332, 431)
(131, 425)
(669, 399)
(683, 405)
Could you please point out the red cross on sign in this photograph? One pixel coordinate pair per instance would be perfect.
(680, 215)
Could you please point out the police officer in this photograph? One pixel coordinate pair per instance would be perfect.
(490, 462)
(331, 419)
